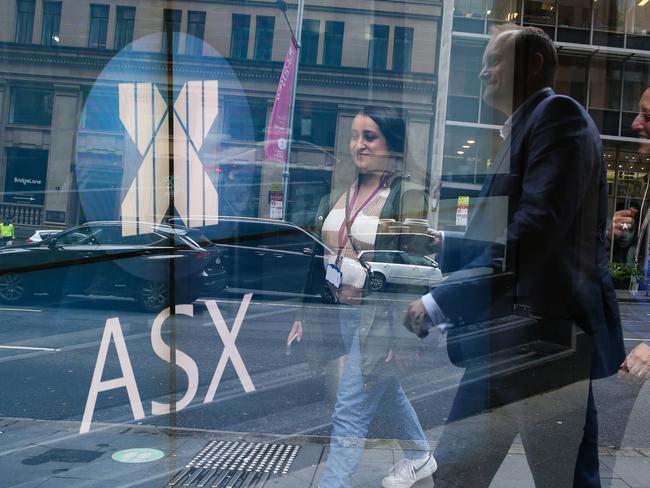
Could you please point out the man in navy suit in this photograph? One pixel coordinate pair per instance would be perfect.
(541, 214)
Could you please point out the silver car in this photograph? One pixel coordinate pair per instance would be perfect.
(400, 268)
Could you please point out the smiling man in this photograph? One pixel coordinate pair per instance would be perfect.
(541, 215)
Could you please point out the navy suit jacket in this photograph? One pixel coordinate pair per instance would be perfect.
(542, 211)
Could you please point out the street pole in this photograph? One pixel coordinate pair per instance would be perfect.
(285, 171)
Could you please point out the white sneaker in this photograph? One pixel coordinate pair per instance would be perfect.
(404, 474)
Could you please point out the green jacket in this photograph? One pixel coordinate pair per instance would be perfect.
(381, 321)
(7, 230)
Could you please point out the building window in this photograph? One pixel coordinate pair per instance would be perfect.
(25, 20)
(125, 22)
(605, 94)
(574, 20)
(469, 16)
(378, 49)
(609, 23)
(315, 123)
(309, 49)
(31, 106)
(241, 25)
(572, 76)
(638, 25)
(264, 37)
(542, 14)
(98, 26)
(51, 23)
(333, 47)
(195, 31)
(245, 119)
(171, 28)
(101, 111)
(402, 49)
(464, 84)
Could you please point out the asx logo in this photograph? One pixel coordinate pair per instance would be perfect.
(146, 117)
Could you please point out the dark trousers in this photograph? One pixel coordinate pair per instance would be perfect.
(478, 434)
(587, 472)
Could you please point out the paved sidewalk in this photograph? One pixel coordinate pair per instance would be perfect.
(628, 296)
(48, 454)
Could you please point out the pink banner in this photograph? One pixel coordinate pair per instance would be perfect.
(275, 146)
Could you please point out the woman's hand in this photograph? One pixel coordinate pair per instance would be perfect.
(403, 359)
(296, 332)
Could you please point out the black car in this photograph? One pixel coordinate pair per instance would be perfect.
(115, 259)
(269, 256)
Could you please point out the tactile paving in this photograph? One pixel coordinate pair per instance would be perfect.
(230, 464)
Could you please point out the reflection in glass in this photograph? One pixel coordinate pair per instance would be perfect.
(574, 20)
(609, 22)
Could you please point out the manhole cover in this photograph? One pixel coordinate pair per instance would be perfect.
(221, 464)
(138, 455)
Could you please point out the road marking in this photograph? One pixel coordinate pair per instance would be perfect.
(28, 348)
(21, 310)
(635, 340)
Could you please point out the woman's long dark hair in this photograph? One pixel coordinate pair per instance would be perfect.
(390, 123)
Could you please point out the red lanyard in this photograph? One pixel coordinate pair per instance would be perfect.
(348, 205)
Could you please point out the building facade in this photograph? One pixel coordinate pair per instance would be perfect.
(57, 138)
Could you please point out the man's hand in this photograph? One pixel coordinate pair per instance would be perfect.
(417, 319)
(623, 221)
(637, 364)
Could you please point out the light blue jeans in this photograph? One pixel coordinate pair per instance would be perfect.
(356, 406)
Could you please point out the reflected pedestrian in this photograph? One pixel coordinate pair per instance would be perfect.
(542, 212)
(376, 344)
(7, 232)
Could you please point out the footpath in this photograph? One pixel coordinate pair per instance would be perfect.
(52, 454)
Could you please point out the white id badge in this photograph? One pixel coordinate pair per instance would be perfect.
(333, 276)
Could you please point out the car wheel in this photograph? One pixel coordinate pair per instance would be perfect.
(13, 288)
(377, 281)
(153, 295)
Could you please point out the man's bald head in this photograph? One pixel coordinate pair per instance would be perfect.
(517, 62)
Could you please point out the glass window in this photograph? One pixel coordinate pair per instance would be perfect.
(171, 28)
(315, 123)
(464, 84)
(609, 23)
(469, 16)
(240, 114)
(264, 27)
(541, 14)
(310, 38)
(402, 49)
(378, 47)
(572, 77)
(195, 31)
(605, 94)
(574, 20)
(98, 26)
(636, 79)
(239, 38)
(51, 23)
(333, 45)
(31, 106)
(124, 25)
(638, 25)
(100, 111)
(25, 20)
(500, 11)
